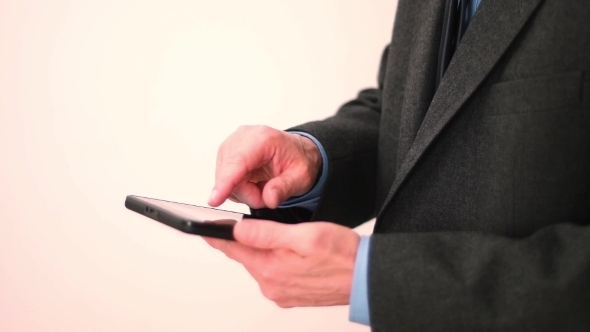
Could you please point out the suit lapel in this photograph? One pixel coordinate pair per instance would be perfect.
(491, 31)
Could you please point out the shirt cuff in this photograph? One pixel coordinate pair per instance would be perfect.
(310, 200)
(359, 294)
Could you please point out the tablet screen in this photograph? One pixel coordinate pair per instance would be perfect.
(193, 212)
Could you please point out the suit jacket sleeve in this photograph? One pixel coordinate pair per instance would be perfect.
(461, 281)
(350, 140)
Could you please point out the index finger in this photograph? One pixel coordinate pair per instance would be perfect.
(227, 177)
(236, 251)
(244, 151)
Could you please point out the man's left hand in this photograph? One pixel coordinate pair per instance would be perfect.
(308, 264)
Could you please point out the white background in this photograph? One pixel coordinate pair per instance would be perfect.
(104, 98)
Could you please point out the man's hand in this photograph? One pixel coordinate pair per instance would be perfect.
(262, 167)
(309, 264)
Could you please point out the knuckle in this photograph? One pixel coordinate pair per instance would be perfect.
(235, 161)
(314, 243)
(283, 304)
(258, 136)
(269, 274)
(265, 129)
(222, 150)
(307, 248)
(271, 293)
(243, 128)
(229, 254)
(271, 271)
(268, 133)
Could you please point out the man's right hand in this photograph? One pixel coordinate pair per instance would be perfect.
(262, 167)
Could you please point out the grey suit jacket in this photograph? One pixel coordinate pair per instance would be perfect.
(481, 188)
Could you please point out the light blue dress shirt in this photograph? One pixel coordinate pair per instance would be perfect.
(359, 295)
(312, 198)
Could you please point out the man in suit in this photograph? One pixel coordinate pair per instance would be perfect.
(480, 182)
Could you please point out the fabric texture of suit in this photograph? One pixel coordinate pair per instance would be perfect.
(481, 188)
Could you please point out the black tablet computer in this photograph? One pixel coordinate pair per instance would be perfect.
(191, 219)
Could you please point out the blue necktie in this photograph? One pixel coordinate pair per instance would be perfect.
(454, 25)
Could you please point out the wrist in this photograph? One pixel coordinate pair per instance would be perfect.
(313, 157)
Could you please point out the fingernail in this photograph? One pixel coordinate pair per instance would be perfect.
(213, 195)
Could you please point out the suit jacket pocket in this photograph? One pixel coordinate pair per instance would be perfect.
(538, 94)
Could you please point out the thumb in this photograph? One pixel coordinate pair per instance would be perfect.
(263, 234)
(280, 188)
